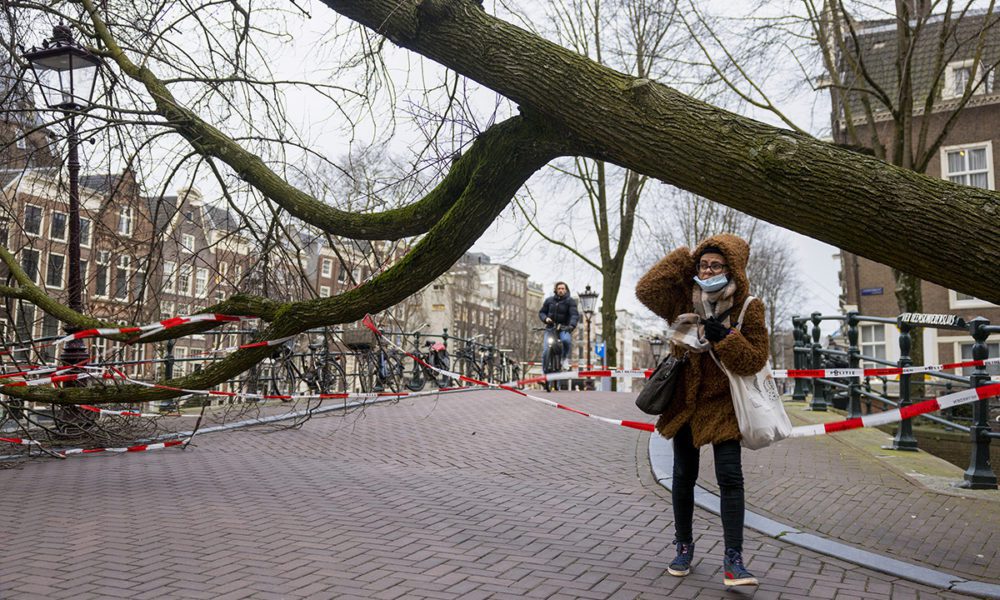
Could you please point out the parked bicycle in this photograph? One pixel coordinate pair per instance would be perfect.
(435, 354)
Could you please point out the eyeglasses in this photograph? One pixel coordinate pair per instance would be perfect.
(715, 267)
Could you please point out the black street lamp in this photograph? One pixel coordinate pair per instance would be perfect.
(588, 301)
(656, 347)
(66, 73)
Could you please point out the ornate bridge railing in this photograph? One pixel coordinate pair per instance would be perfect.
(878, 391)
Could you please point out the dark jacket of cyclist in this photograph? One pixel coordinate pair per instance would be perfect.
(560, 308)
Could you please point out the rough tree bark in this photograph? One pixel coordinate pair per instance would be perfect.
(785, 178)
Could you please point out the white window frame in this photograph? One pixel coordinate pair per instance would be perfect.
(166, 308)
(948, 92)
(884, 342)
(52, 220)
(185, 273)
(41, 220)
(62, 272)
(324, 291)
(955, 302)
(103, 262)
(327, 268)
(988, 145)
(38, 263)
(85, 241)
(169, 280)
(122, 265)
(126, 217)
(201, 283)
(22, 141)
(187, 242)
(966, 371)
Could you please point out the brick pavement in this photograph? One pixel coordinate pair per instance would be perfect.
(484, 495)
(830, 486)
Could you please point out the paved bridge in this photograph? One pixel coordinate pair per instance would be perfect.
(471, 495)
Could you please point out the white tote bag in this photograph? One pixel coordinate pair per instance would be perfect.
(757, 403)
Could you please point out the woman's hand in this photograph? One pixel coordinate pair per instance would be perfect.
(715, 330)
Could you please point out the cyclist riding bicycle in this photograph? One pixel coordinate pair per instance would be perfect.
(559, 311)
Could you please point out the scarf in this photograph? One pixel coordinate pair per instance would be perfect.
(687, 331)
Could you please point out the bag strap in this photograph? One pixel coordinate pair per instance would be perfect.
(739, 324)
(746, 303)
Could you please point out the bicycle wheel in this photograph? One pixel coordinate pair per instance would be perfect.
(468, 367)
(332, 377)
(417, 379)
(367, 373)
(390, 372)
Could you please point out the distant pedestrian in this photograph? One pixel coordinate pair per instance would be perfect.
(697, 294)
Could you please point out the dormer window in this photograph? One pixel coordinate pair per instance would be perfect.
(956, 78)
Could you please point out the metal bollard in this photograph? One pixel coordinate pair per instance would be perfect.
(980, 475)
(854, 358)
(818, 389)
(904, 440)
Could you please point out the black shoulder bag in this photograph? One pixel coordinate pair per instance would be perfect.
(660, 388)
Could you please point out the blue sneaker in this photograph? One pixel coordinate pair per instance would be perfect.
(681, 564)
(734, 571)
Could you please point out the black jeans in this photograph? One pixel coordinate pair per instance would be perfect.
(729, 474)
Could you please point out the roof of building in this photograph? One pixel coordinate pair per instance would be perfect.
(877, 42)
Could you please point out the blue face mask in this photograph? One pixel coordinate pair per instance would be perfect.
(713, 284)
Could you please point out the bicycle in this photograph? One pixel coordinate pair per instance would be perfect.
(553, 362)
(436, 355)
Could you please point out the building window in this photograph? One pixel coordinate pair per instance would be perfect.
(139, 283)
(327, 269)
(22, 141)
(873, 343)
(958, 300)
(121, 277)
(54, 273)
(993, 350)
(201, 283)
(342, 275)
(957, 76)
(166, 310)
(184, 280)
(223, 271)
(85, 232)
(187, 242)
(32, 219)
(324, 291)
(125, 220)
(29, 263)
(25, 320)
(57, 227)
(169, 275)
(83, 276)
(101, 278)
(969, 165)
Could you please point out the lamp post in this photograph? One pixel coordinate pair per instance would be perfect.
(656, 347)
(588, 300)
(66, 73)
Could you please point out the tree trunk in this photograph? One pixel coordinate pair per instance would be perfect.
(770, 173)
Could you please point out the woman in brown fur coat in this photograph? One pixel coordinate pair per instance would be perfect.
(701, 294)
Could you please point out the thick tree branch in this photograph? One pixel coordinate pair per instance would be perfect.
(788, 179)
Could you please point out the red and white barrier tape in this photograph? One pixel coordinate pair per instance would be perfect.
(72, 451)
(883, 371)
(947, 401)
(898, 414)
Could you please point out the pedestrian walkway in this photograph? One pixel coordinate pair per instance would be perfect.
(477, 495)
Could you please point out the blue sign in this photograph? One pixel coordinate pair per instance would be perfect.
(871, 291)
(599, 349)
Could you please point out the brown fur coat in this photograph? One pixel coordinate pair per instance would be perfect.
(706, 403)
